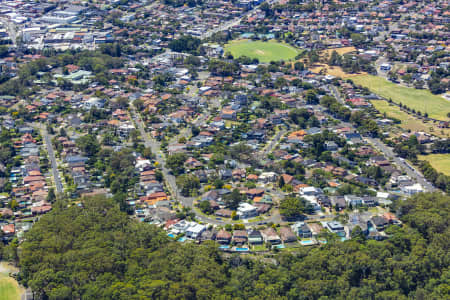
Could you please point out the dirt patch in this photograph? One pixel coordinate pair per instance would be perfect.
(340, 51)
(333, 70)
(6, 268)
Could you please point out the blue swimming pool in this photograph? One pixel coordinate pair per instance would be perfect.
(307, 242)
(224, 247)
(171, 235)
(242, 249)
(182, 239)
(280, 246)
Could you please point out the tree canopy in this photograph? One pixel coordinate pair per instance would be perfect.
(94, 251)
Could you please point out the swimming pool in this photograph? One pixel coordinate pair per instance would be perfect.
(171, 235)
(182, 239)
(242, 249)
(224, 247)
(280, 246)
(307, 242)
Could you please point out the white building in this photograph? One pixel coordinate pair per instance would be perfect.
(141, 164)
(194, 231)
(246, 211)
(309, 191)
(267, 177)
(313, 201)
(412, 189)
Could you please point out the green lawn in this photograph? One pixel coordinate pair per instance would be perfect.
(408, 121)
(441, 162)
(9, 289)
(259, 248)
(264, 51)
(420, 100)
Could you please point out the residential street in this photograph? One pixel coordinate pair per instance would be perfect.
(389, 153)
(233, 22)
(272, 144)
(171, 180)
(54, 165)
(410, 170)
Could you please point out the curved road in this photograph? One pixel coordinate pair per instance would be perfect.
(171, 181)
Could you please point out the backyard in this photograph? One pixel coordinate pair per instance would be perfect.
(420, 100)
(263, 51)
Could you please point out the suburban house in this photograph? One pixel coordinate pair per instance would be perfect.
(195, 231)
(246, 210)
(270, 236)
(223, 237)
(255, 237)
(287, 235)
(302, 230)
(337, 228)
(240, 237)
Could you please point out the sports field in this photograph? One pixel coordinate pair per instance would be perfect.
(9, 288)
(441, 162)
(409, 121)
(263, 51)
(420, 100)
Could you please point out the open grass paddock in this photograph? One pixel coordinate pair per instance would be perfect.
(409, 121)
(441, 162)
(420, 100)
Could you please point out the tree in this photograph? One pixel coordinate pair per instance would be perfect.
(335, 59)
(195, 130)
(218, 183)
(222, 68)
(298, 66)
(311, 97)
(175, 163)
(313, 56)
(265, 7)
(291, 207)
(357, 39)
(147, 153)
(122, 102)
(205, 206)
(185, 43)
(138, 104)
(51, 196)
(88, 144)
(300, 116)
(392, 76)
(188, 184)
(217, 158)
(281, 182)
(233, 199)
(98, 252)
(4, 51)
(121, 199)
(280, 82)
